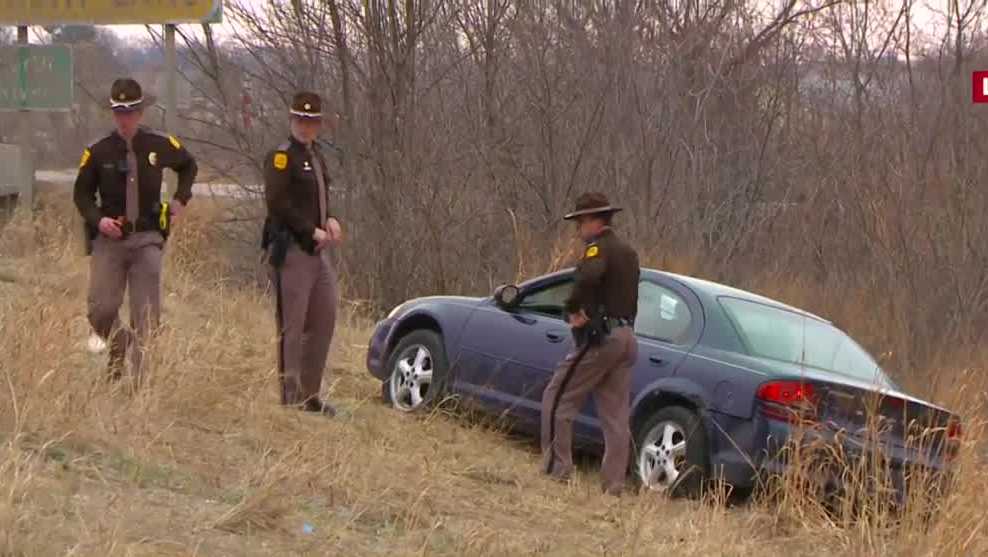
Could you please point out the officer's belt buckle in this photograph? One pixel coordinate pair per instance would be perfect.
(128, 227)
(618, 322)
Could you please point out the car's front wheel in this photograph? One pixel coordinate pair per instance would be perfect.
(671, 452)
(418, 372)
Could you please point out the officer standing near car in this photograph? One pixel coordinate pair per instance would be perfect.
(601, 311)
(118, 194)
(300, 228)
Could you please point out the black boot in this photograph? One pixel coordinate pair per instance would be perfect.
(114, 372)
(115, 366)
(319, 407)
(118, 342)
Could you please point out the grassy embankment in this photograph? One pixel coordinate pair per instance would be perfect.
(202, 461)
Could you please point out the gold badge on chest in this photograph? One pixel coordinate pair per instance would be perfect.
(153, 158)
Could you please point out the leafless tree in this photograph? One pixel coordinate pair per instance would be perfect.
(812, 143)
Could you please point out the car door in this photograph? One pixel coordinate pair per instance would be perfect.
(668, 325)
(665, 328)
(516, 349)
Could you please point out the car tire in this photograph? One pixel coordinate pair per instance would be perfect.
(658, 464)
(418, 372)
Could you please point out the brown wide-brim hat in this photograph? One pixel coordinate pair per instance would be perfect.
(126, 95)
(593, 203)
(306, 104)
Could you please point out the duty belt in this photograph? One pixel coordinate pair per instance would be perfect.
(143, 224)
(618, 322)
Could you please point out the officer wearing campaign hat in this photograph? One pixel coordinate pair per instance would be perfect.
(126, 96)
(601, 310)
(118, 194)
(300, 230)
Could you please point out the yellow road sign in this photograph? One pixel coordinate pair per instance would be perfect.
(108, 12)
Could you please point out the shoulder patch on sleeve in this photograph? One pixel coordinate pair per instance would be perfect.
(86, 154)
(592, 251)
(280, 160)
(174, 141)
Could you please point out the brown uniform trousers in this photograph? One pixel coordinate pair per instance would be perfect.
(134, 264)
(308, 302)
(605, 371)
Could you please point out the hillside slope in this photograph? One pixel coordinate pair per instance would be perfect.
(202, 461)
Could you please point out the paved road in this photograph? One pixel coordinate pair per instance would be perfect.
(67, 177)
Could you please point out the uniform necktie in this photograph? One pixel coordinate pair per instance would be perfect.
(320, 180)
(132, 198)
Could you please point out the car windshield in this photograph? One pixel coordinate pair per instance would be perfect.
(785, 336)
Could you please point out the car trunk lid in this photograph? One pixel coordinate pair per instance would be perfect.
(862, 411)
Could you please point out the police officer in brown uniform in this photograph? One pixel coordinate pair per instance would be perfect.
(118, 194)
(300, 228)
(601, 310)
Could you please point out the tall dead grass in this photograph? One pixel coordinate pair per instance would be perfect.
(202, 461)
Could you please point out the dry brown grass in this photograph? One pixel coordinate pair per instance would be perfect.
(202, 461)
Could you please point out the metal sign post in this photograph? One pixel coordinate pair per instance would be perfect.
(26, 194)
(171, 100)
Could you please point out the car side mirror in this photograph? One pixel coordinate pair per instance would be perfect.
(506, 296)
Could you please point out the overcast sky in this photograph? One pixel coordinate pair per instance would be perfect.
(928, 18)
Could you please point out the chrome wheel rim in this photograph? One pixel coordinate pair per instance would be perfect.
(662, 458)
(411, 378)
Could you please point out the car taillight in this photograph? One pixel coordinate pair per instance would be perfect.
(954, 430)
(954, 433)
(790, 401)
(894, 404)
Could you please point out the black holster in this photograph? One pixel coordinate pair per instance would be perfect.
(275, 239)
(279, 237)
(594, 332)
(88, 236)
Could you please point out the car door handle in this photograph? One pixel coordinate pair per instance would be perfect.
(658, 360)
(555, 336)
(524, 319)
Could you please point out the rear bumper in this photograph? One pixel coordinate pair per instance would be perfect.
(377, 349)
(745, 451)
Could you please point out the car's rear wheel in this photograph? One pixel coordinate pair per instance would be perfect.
(418, 372)
(671, 452)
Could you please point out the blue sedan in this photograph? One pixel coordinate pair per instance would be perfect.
(722, 380)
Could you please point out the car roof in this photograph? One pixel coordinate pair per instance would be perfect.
(703, 287)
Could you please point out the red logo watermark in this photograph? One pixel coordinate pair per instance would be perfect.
(979, 86)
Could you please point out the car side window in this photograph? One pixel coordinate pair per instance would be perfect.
(547, 301)
(767, 332)
(662, 314)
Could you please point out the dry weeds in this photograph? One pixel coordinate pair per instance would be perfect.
(202, 461)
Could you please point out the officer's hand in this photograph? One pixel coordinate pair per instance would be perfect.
(335, 231)
(321, 237)
(110, 227)
(578, 320)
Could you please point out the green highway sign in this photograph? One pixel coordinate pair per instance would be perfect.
(35, 77)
